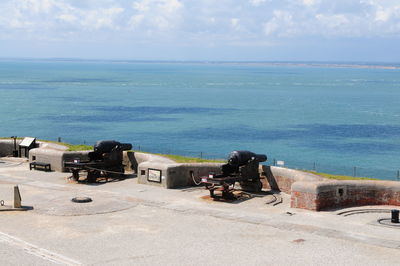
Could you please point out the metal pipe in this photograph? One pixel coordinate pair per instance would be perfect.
(395, 216)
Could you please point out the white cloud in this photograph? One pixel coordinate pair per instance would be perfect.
(135, 21)
(281, 24)
(333, 21)
(68, 18)
(38, 6)
(382, 15)
(270, 28)
(141, 6)
(156, 15)
(310, 2)
(101, 18)
(200, 19)
(256, 2)
(235, 23)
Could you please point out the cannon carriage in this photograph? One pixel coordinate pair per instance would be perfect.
(242, 167)
(106, 160)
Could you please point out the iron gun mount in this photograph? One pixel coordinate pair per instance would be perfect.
(242, 167)
(106, 159)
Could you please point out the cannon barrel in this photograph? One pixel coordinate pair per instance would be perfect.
(239, 158)
(106, 146)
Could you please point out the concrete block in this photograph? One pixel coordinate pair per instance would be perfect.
(56, 158)
(173, 175)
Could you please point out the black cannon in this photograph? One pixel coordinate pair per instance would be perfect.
(242, 167)
(106, 158)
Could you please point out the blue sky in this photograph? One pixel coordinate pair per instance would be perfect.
(295, 30)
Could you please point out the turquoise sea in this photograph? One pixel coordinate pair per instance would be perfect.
(330, 118)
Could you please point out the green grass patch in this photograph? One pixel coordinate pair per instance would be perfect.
(176, 158)
(71, 147)
(78, 147)
(183, 159)
(341, 177)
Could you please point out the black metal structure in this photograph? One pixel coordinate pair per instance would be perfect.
(26, 144)
(15, 151)
(242, 167)
(106, 159)
(395, 216)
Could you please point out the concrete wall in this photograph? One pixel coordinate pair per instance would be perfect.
(174, 175)
(308, 191)
(170, 173)
(334, 194)
(7, 147)
(282, 179)
(133, 159)
(312, 192)
(56, 158)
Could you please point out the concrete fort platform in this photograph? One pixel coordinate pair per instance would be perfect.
(308, 191)
(128, 223)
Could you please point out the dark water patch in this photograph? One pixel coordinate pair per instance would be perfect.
(298, 132)
(64, 128)
(355, 148)
(383, 82)
(276, 73)
(67, 99)
(348, 130)
(109, 118)
(31, 87)
(80, 80)
(240, 132)
(160, 109)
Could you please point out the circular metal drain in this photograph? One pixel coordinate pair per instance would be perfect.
(362, 211)
(81, 199)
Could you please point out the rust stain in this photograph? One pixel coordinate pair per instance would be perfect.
(300, 240)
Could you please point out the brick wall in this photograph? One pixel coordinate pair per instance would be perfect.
(334, 194)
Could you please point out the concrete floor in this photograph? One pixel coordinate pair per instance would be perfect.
(132, 224)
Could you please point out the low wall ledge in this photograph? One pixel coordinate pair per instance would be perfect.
(329, 185)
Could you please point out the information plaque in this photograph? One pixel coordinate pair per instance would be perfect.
(154, 175)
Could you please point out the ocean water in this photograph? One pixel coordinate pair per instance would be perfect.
(331, 119)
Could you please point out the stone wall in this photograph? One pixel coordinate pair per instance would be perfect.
(282, 179)
(7, 147)
(312, 192)
(307, 190)
(335, 194)
(56, 158)
(161, 171)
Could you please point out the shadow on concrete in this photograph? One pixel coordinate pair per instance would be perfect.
(101, 180)
(241, 196)
(273, 184)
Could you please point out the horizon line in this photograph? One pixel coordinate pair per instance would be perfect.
(333, 63)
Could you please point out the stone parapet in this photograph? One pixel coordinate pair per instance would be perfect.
(169, 174)
(56, 158)
(282, 179)
(335, 194)
(7, 147)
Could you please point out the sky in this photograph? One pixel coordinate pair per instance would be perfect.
(226, 30)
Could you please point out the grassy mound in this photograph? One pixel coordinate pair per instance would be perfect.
(184, 159)
(341, 177)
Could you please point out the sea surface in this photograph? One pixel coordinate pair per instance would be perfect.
(343, 120)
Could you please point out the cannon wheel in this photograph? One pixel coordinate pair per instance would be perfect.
(92, 176)
(75, 174)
